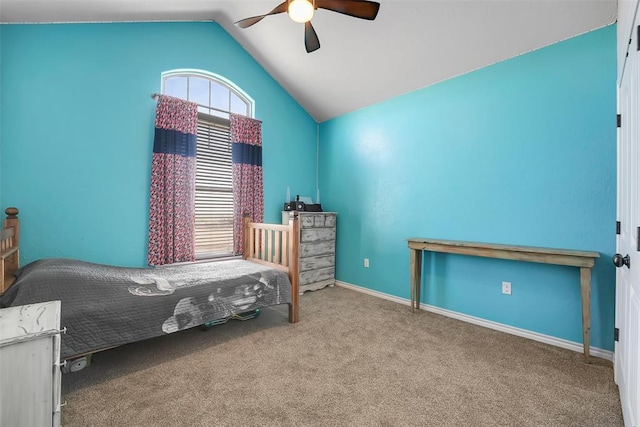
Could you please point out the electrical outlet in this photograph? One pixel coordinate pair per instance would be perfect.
(366, 263)
(506, 288)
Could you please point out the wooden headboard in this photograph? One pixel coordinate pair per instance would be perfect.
(277, 246)
(9, 249)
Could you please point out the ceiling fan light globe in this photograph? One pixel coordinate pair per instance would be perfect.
(301, 10)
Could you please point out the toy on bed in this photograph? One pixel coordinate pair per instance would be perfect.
(105, 306)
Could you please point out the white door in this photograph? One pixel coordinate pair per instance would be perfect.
(627, 349)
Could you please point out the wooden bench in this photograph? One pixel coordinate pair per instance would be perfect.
(582, 259)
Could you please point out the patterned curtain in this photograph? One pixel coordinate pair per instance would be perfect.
(246, 156)
(173, 182)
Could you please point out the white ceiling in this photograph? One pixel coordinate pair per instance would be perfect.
(411, 44)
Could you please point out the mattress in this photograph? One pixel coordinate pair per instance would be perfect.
(105, 306)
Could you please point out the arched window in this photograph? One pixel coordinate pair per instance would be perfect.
(215, 95)
(216, 98)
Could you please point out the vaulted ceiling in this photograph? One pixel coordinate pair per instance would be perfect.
(411, 44)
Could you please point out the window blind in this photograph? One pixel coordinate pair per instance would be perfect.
(214, 189)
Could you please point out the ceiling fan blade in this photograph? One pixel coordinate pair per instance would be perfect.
(247, 22)
(311, 41)
(363, 9)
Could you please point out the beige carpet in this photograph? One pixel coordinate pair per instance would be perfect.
(352, 360)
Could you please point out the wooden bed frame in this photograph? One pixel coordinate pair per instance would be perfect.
(278, 247)
(274, 245)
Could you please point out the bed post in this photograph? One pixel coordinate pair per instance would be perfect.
(294, 266)
(10, 252)
(245, 235)
(13, 221)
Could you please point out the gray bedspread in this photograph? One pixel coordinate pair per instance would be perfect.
(105, 306)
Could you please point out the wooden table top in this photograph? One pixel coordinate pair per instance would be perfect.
(493, 250)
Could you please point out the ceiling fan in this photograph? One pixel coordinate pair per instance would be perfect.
(302, 11)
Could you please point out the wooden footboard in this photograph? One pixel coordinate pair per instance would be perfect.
(276, 246)
(9, 249)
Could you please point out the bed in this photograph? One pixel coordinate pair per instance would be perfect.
(106, 306)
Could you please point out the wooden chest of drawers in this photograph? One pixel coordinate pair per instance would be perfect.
(317, 249)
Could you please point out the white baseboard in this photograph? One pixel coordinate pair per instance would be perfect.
(547, 339)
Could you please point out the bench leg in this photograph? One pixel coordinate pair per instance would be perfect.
(416, 279)
(585, 286)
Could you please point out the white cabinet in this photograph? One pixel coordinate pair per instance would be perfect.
(317, 249)
(30, 365)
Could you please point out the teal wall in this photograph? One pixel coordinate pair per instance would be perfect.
(521, 152)
(1, 211)
(77, 130)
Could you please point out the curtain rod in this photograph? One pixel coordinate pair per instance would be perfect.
(156, 95)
